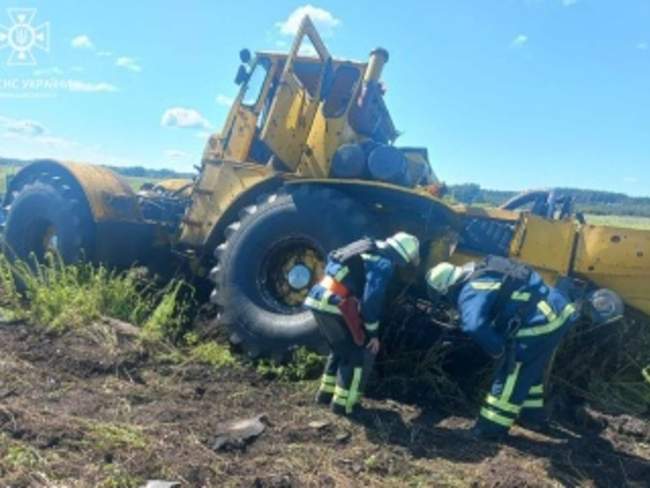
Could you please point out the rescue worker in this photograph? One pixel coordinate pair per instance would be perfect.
(516, 318)
(347, 304)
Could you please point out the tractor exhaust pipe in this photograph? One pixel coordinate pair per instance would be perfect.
(378, 58)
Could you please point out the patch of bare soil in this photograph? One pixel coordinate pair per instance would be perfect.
(78, 412)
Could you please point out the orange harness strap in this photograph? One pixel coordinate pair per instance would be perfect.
(335, 287)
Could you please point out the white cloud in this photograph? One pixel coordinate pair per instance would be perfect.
(24, 131)
(185, 118)
(27, 128)
(643, 46)
(82, 42)
(323, 19)
(519, 41)
(128, 63)
(85, 87)
(224, 100)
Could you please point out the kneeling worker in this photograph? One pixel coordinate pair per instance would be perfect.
(347, 304)
(514, 316)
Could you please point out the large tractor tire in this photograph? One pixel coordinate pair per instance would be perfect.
(270, 260)
(49, 214)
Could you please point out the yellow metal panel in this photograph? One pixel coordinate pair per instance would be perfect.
(240, 135)
(325, 137)
(220, 185)
(289, 122)
(110, 197)
(618, 259)
(547, 245)
(292, 112)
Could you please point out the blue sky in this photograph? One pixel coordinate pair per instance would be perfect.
(510, 94)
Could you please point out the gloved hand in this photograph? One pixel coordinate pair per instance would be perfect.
(373, 345)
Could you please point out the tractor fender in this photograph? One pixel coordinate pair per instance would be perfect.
(420, 206)
(395, 208)
(109, 197)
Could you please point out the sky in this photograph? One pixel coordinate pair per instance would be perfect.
(510, 94)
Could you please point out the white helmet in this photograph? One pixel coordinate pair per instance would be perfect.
(443, 276)
(406, 245)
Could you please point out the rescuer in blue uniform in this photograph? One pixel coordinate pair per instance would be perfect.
(515, 317)
(347, 304)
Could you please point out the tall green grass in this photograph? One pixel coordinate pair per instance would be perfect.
(62, 297)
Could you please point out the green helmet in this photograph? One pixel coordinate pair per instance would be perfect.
(407, 246)
(443, 276)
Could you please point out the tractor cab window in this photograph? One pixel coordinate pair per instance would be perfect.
(253, 87)
(341, 91)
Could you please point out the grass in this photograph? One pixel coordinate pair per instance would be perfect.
(606, 365)
(642, 223)
(302, 365)
(213, 354)
(112, 436)
(62, 297)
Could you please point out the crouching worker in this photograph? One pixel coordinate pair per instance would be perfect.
(347, 304)
(516, 318)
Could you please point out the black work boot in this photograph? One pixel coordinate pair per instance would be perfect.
(477, 433)
(534, 419)
(337, 409)
(323, 397)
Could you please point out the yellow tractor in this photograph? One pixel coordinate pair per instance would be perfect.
(306, 161)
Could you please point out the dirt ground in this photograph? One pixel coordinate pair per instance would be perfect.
(74, 413)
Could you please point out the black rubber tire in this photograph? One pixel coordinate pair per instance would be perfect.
(45, 203)
(326, 218)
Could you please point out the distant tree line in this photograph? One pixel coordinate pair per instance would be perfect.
(587, 201)
(134, 171)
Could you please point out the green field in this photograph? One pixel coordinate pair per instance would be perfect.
(625, 221)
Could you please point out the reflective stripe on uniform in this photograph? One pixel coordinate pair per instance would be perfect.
(340, 396)
(520, 296)
(536, 403)
(323, 304)
(485, 285)
(502, 404)
(496, 418)
(341, 273)
(536, 389)
(552, 326)
(328, 383)
(370, 257)
(372, 326)
(353, 395)
(325, 388)
(510, 383)
(546, 309)
(503, 401)
(328, 379)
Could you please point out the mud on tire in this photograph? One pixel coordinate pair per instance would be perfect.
(270, 260)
